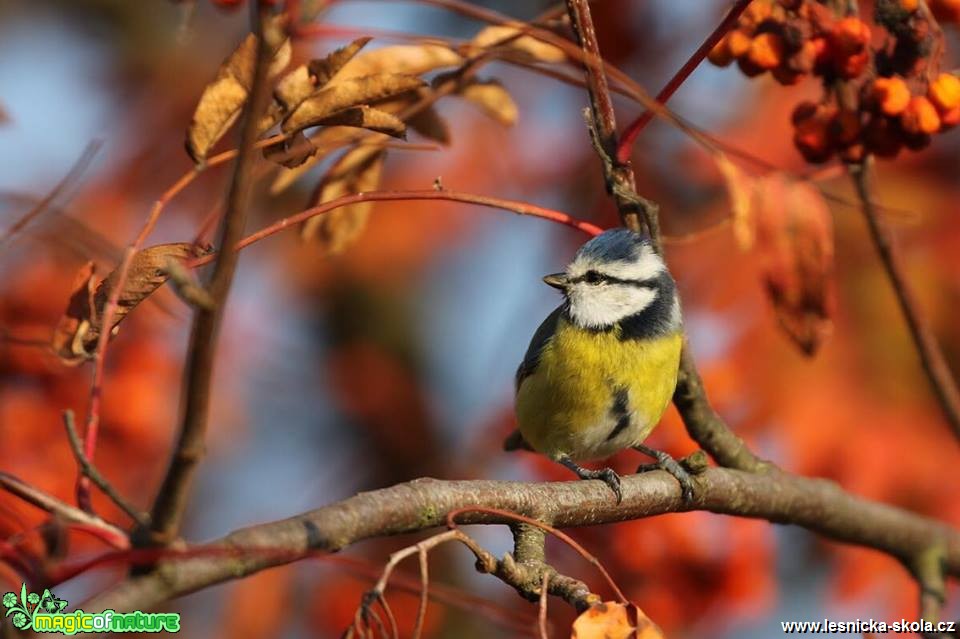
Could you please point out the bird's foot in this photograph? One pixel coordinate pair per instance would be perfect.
(669, 464)
(606, 475)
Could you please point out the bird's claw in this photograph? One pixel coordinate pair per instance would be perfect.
(672, 466)
(606, 475)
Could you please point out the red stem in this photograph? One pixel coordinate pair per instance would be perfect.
(521, 208)
(633, 130)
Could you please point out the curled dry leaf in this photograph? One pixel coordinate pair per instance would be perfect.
(78, 330)
(324, 69)
(326, 140)
(349, 93)
(366, 117)
(492, 99)
(614, 620)
(357, 171)
(740, 188)
(794, 240)
(223, 99)
(524, 48)
(408, 59)
(186, 285)
(292, 151)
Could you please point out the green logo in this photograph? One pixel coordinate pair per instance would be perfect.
(45, 613)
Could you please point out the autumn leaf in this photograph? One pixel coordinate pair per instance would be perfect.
(613, 620)
(740, 188)
(524, 48)
(794, 233)
(366, 117)
(401, 59)
(326, 140)
(349, 93)
(357, 171)
(324, 69)
(78, 330)
(222, 100)
(492, 99)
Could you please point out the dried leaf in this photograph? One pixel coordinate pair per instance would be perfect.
(412, 59)
(346, 94)
(292, 152)
(613, 620)
(186, 285)
(492, 99)
(223, 99)
(365, 117)
(324, 69)
(77, 332)
(740, 188)
(431, 125)
(326, 140)
(523, 47)
(794, 232)
(357, 171)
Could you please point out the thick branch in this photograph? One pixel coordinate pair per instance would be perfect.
(931, 357)
(172, 497)
(817, 505)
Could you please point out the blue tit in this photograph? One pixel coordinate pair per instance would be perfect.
(602, 368)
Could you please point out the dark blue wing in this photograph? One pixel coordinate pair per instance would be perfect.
(540, 338)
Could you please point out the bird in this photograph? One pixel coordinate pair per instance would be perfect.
(602, 367)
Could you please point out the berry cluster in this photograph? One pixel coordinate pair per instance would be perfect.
(882, 90)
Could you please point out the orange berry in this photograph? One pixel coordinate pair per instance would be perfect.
(738, 42)
(950, 118)
(920, 116)
(803, 111)
(852, 66)
(720, 53)
(909, 5)
(891, 94)
(812, 131)
(944, 92)
(756, 12)
(786, 77)
(766, 51)
(850, 36)
(853, 153)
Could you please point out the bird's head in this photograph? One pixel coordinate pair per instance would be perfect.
(615, 276)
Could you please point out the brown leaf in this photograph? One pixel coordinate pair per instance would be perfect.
(492, 99)
(794, 232)
(346, 94)
(77, 332)
(302, 82)
(740, 188)
(357, 171)
(613, 620)
(292, 152)
(326, 140)
(431, 125)
(324, 69)
(412, 59)
(223, 99)
(523, 47)
(366, 117)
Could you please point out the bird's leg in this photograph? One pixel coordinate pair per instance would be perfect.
(669, 464)
(606, 475)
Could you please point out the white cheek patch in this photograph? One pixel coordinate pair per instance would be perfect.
(598, 306)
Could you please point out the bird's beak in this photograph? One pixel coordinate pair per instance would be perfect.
(556, 280)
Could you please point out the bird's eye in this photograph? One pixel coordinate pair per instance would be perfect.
(592, 277)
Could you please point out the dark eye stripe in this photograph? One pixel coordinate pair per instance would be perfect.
(595, 277)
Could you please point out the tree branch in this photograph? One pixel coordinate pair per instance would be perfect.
(172, 498)
(818, 505)
(931, 357)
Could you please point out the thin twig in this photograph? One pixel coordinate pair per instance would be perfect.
(633, 129)
(113, 535)
(424, 595)
(87, 469)
(562, 536)
(89, 152)
(931, 357)
(172, 498)
(542, 613)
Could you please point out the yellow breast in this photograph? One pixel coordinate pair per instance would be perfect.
(564, 406)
